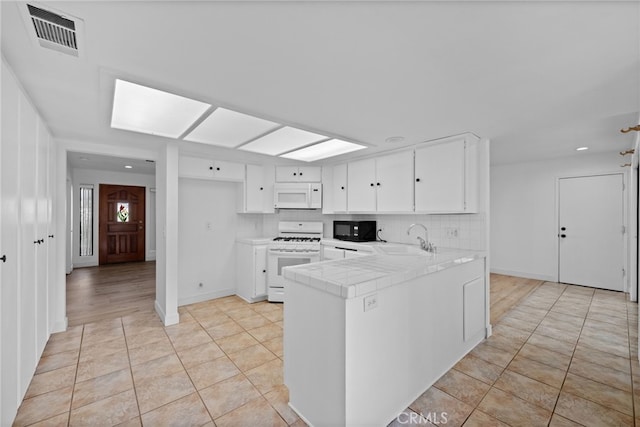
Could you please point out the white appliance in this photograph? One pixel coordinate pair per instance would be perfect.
(297, 243)
(297, 195)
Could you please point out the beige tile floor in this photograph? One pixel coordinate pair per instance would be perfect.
(564, 356)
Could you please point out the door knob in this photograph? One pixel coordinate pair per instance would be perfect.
(4, 258)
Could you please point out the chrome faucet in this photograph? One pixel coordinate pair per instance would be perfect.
(425, 245)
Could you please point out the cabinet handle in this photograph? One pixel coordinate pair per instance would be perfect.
(294, 174)
(342, 188)
(371, 184)
(417, 179)
(264, 271)
(300, 173)
(217, 169)
(51, 236)
(210, 168)
(261, 188)
(4, 258)
(378, 184)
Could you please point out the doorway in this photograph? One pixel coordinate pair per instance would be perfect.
(122, 224)
(591, 231)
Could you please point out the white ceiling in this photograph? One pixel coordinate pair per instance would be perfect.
(110, 163)
(537, 78)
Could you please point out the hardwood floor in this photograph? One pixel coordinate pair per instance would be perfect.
(110, 291)
(507, 291)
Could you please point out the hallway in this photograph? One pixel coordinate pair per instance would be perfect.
(110, 291)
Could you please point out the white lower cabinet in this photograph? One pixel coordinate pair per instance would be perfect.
(251, 271)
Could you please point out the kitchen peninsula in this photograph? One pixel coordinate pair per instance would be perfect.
(364, 337)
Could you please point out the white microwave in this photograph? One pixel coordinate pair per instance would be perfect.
(297, 195)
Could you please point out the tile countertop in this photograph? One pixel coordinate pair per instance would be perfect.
(355, 277)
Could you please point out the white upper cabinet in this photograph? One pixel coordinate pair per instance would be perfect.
(258, 190)
(361, 186)
(339, 188)
(196, 167)
(446, 177)
(298, 174)
(381, 184)
(394, 179)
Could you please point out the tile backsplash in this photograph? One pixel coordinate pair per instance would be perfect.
(464, 231)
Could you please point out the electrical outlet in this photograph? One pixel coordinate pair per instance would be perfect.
(209, 226)
(452, 233)
(200, 284)
(370, 302)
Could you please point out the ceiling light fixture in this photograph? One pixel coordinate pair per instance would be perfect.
(582, 148)
(282, 140)
(323, 150)
(229, 128)
(143, 109)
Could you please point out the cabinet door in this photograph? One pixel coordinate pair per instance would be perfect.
(339, 188)
(329, 253)
(228, 171)
(260, 257)
(394, 182)
(287, 174)
(361, 186)
(440, 177)
(194, 167)
(355, 254)
(254, 189)
(309, 174)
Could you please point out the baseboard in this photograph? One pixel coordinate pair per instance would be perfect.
(60, 325)
(166, 320)
(85, 264)
(524, 275)
(206, 296)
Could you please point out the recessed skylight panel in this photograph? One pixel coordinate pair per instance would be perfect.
(229, 128)
(282, 140)
(323, 150)
(143, 109)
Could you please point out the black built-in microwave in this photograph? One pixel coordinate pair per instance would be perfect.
(355, 231)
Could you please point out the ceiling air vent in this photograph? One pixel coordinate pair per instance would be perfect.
(53, 30)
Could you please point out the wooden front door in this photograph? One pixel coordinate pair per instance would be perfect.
(122, 223)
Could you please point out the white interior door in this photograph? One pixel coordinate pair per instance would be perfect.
(590, 235)
(27, 324)
(9, 228)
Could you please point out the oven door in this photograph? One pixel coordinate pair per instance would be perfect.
(278, 259)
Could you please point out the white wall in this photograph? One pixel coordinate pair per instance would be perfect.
(524, 212)
(207, 229)
(95, 178)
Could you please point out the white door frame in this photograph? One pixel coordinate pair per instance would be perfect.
(625, 211)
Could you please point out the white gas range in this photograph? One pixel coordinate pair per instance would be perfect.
(297, 243)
